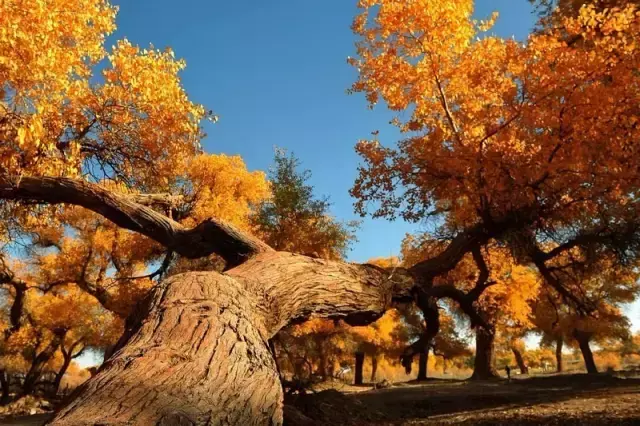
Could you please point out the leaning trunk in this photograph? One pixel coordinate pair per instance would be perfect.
(359, 364)
(322, 361)
(38, 363)
(559, 343)
(60, 374)
(423, 364)
(4, 381)
(196, 352)
(374, 368)
(520, 361)
(483, 368)
(583, 340)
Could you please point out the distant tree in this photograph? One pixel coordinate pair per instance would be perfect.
(606, 286)
(295, 220)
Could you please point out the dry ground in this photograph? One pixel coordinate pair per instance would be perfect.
(554, 400)
(561, 400)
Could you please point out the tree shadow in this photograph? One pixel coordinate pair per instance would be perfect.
(424, 400)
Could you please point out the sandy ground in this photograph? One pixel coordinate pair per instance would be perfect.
(560, 400)
(555, 400)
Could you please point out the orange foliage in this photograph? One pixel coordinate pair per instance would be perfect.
(495, 127)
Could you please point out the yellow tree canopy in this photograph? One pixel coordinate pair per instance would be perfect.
(136, 124)
(538, 134)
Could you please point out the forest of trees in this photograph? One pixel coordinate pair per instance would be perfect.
(211, 290)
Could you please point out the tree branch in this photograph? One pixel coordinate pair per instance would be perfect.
(211, 236)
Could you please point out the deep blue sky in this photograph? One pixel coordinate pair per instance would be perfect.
(276, 74)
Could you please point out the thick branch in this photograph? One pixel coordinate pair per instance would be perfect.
(297, 287)
(483, 276)
(211, 236)
(462, 244)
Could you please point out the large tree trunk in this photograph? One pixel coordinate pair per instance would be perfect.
(423, 365)
(559, 343)
(484, 368)
(358, 379)
(583, 340)
(197, 351)
(520, 361)
(200, 355)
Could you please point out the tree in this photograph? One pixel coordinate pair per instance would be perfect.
(382, 339)
(552, 12)
(606, 285)
(490, 287)
(199, 340)
(43, 323)
(294, 220)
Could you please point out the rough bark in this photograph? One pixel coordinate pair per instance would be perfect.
(583, 339)
(483, 368)
(198, 355)
(520, 361)
(198, 351)
(358, 379)
(559, 343)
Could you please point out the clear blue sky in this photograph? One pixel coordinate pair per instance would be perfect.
(276, 73)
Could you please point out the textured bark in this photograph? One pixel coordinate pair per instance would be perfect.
(199, 356)
(583, 339)
(198, 350)
(559, 343)
(358, 380)
(520, 361)
(423, 365)
(483, 368)
(374, 367)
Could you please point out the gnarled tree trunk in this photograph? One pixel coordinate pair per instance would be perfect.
(583, 339)
(484, 368)
(559, 343)
(197, 351)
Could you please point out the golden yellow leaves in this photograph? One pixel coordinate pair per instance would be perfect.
(493, 125)
(138, 126)
(222, 187)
